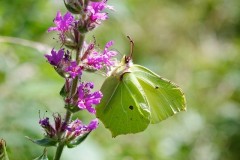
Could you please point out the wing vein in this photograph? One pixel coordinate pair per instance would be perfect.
(111, 96)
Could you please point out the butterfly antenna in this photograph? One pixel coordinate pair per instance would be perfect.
(132, 45)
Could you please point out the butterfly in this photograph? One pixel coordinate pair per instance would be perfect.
(134, 97)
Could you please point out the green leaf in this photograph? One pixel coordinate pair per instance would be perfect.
(134, 97)
(77, 141)
(43, 156)
(63, 92)
(3, 150)
(72, 109)
(46, 141)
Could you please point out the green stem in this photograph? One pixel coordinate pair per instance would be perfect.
(80, 46)
(73, 90)
(61, 145)
(59, 151)
(78, 54)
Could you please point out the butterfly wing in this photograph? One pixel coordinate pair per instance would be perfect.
(123, 108)
(164, 97)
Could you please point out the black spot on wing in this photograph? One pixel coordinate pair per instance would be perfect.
(131, 107)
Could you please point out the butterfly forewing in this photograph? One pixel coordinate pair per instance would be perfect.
(164, 97)
(123, 108)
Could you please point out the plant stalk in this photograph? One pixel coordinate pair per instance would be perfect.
(61, 145)
(73, 90)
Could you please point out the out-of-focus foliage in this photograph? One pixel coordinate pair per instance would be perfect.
(194, 43)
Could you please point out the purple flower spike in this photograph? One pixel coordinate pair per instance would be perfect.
(55, 57)
(87, 99)
(74, 70)
(63, 24)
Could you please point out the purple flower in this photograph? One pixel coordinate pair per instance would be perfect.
(94, 12)
(74, 70)
(60, 125)
(109, 54)
(55, 57)
(97, 60)
(93, 124)
(63, 24)
(49, 129)
(53, 131)
(77, 128)
(44, 122)
(87, 99)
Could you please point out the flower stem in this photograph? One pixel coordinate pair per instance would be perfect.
(73, 90)
(59, 151)
(80, 46)
(61, 145)
(78, 54)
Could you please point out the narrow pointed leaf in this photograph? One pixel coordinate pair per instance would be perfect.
(63, 92)
(77, 141)
(43, 156)
(72, 109)
(46, 142)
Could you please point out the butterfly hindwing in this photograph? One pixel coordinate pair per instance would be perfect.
(164, 97)
(123, 108)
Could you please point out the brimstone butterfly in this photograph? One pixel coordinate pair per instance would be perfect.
(134, 97)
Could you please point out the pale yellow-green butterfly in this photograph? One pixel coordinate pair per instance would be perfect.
(134, 97)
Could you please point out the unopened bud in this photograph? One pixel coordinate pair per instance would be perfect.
(82, 26)
(69, 40)
(61, 69)
(74, 6)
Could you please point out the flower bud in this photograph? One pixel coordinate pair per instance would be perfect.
(69, 40)
(82, 26)
(74, 6)
(61, 68)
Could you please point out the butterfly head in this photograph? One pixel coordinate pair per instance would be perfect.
(125, 64)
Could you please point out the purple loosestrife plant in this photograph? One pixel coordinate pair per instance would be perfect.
(71, 61)
(131, 97)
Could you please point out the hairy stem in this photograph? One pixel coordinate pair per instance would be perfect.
(73, 90)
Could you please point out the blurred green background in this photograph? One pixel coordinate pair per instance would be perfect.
(193, 43)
